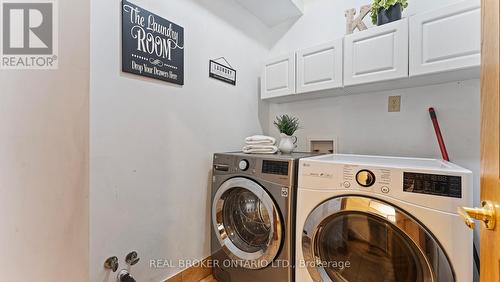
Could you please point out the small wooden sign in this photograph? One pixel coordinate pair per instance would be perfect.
(222, 72)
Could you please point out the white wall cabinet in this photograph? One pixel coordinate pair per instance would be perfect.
(433, 47)
(278, 78)
(320, 67)
(377, 54)
(446, 39)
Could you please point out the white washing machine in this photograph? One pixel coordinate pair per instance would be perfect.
(369, 218)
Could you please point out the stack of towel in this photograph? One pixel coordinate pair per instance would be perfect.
(260, 144)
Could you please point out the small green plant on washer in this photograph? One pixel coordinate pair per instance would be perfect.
(287, 124)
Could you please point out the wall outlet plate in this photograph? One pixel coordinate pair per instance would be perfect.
(394, 104)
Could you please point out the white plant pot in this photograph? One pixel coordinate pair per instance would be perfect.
(287, 143)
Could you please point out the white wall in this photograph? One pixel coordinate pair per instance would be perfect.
(362, 125)
(152, 142)
(44, 161)
(324, 20)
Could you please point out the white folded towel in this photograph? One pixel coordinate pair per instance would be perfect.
(260, 140)
(260, 149)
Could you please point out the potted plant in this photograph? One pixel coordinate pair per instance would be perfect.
(287, 126)
(386, 11)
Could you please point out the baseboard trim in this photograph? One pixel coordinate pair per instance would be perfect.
(194, 273)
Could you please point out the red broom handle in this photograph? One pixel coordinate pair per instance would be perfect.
(439, 136)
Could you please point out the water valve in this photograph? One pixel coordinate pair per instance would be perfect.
(132, 258)
(111, 263)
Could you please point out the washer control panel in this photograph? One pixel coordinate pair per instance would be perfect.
(275, 167)
(243, 165)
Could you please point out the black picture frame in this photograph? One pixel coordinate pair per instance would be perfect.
(222, 78)
(162, 57)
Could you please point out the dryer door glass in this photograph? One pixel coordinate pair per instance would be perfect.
(247, 223)
(356, 238)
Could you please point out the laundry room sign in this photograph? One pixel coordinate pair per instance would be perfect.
(151, 45)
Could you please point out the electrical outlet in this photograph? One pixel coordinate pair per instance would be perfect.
(394, 104)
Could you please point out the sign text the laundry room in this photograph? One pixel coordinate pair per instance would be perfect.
(151, 46)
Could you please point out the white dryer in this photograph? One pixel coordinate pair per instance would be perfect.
(369, 218)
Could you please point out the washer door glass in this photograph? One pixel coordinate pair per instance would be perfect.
(247, 223)
(355, 238)
(246, 219)
(373, 248)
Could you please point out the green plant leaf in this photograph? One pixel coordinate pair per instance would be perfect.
(287, 124)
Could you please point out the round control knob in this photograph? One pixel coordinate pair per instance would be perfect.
(365, 178)
(243, 165)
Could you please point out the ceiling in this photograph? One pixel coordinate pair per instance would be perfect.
(274, 12)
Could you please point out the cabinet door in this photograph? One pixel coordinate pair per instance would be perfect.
(377, 54)
(320, 67)
(278, 78)
(446, 39)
